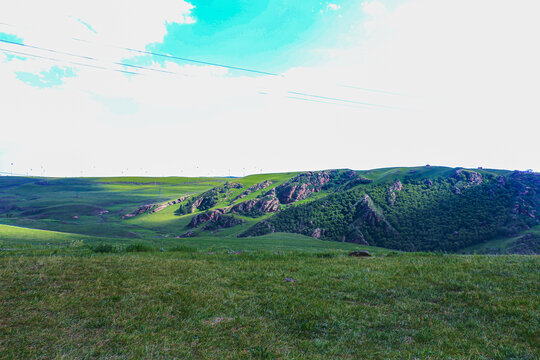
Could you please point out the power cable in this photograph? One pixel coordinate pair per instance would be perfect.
(166, 71)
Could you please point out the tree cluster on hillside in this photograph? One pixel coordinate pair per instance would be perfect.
(421, 214)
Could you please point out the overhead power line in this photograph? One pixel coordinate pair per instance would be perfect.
(313, 97)
(80, 57)
(66, 61)
(343, 100)
(186, 59)
(305, 96)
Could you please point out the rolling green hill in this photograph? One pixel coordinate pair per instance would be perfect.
(259, 267)
(425, 208)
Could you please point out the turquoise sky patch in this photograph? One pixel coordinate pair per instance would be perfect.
(12, 38)
(270, 35)
(45, 79)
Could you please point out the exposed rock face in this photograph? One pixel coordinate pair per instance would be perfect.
(301, 186)
(222, 221)
(317, 233)
(396, 186)
(466, 179)
(152, 208)
(214, 219)
(189, 234)
(368, 212)
(428, 182)
(140, 210)
(271, 192)
(257, 207)
(260, 186)
(236, 186)
(526, 194)
(169, 203)
(205, 217)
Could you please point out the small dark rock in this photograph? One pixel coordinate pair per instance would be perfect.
(360, 253)
(190, 233)
(289, 280)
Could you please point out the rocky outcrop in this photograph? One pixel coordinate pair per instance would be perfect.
(465, 179)
(221, 222)
(169, 203)
(153, 208)
(260, 186)
(140, 210)
(234, 185)
(301, 186)
(188, 234)
(257, 207)
(202, 202)
(317, 233)
(214, 219)
(367, 213)
(392, 189)
(205, 217)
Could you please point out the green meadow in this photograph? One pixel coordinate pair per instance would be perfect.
(188, 304)
(77, 283)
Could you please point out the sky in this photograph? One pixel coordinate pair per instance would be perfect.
(218, 88)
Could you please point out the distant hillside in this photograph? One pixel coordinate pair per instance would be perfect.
(425, 208)
(428, 208)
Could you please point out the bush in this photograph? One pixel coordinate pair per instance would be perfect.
(139, 248)
(104, 248)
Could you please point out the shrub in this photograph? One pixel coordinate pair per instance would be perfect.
(139, 248)
(104, 248)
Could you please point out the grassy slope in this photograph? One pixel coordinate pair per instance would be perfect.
(500, 243)
(201, 306)
(16, 238)
(387, 175)
(52, 206)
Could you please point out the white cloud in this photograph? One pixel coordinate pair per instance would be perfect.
(469, 70)
(121, 22)
(473, 66)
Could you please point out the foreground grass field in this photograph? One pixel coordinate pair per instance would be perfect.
(201, 305)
